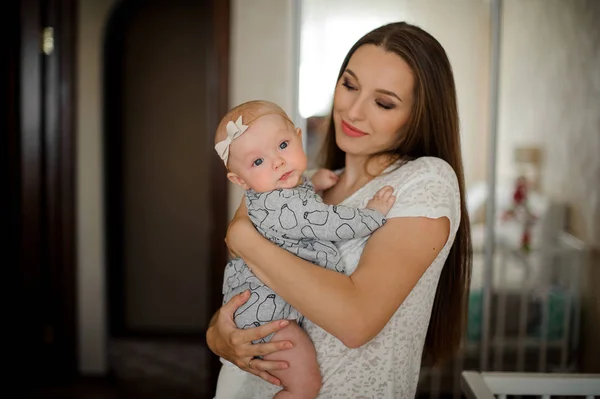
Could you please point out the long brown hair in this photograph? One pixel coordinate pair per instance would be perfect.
(432, 130)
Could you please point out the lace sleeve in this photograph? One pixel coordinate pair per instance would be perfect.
(433, 194)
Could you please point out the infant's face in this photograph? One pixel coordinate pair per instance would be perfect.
(269, 155)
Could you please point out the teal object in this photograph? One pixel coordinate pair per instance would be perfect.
(556, 302)
(475, 316)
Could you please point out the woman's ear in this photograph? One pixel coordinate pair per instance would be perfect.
(235, 179)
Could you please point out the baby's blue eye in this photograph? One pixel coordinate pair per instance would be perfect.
(258, 162)
(283, 145)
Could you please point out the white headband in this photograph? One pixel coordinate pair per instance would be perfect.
(234, 130)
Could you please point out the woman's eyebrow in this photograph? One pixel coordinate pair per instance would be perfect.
(382, 91)
(349, 72)
(388, 93)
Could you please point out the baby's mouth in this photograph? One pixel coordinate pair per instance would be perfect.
(286, 175)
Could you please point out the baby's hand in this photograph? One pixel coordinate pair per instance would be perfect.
(323, 179)
(383, 200)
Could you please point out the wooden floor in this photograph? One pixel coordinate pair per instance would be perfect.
(97, 388)
(141, 369)
(105, 388)
(108, 388)
(145, 369)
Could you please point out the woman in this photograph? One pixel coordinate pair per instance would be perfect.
(394, 122)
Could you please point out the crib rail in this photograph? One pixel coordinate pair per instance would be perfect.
(534, 323)
(492, 385)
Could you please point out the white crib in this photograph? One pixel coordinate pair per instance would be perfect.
(533, 317)
(500, 385)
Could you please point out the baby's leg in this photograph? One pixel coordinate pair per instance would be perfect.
(302, 379)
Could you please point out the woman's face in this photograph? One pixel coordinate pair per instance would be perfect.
(372, 102)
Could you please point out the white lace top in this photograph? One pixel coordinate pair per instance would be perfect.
(388, 366)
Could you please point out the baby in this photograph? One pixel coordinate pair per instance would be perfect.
(263, 153)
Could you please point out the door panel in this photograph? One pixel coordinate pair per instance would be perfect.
(163, 209)
(41, 188)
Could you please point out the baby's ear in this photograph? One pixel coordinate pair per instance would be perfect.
(235, 179)
(299, 131)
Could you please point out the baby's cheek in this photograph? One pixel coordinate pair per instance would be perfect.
(264, 182)
(302, 159)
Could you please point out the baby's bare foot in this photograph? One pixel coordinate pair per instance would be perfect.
(383, 200)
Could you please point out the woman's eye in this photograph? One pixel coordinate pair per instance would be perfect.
(348, 86)
(258, 162)
(283, 145)
(384, 105)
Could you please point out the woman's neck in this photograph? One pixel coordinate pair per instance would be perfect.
(359, 170)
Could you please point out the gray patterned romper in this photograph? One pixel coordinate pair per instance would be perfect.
(297, 220)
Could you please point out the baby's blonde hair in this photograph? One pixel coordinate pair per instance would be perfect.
(249, 111)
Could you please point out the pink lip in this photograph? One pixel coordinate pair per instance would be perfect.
(286, 175)
(351, 130)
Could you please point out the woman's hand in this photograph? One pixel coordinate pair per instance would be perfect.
(235, 345)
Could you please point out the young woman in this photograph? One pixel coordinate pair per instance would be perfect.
(394, 122)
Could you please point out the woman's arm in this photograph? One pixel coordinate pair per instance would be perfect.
(394, 259)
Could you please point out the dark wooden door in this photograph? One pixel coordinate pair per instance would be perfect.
(40, 175)
(166, 82)
(165, 73)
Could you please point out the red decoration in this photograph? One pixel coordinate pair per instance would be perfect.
(520, 210)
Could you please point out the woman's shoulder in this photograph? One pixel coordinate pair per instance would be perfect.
(427, 187)
(420, 170)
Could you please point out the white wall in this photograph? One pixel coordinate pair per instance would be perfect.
(262, 59)
(261, 67)
(550, 98)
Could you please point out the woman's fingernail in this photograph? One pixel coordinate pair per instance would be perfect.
(284, 323)
(283, 366)
(288, 345)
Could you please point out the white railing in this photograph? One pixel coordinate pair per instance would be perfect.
(492, 385)
(534, 317)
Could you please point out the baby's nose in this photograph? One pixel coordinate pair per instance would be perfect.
(279, 162)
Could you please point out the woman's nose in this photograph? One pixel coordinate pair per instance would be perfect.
(356, 110)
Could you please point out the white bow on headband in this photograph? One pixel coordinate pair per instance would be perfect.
(234, 130)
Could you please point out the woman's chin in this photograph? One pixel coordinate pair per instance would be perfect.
(350, 145)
